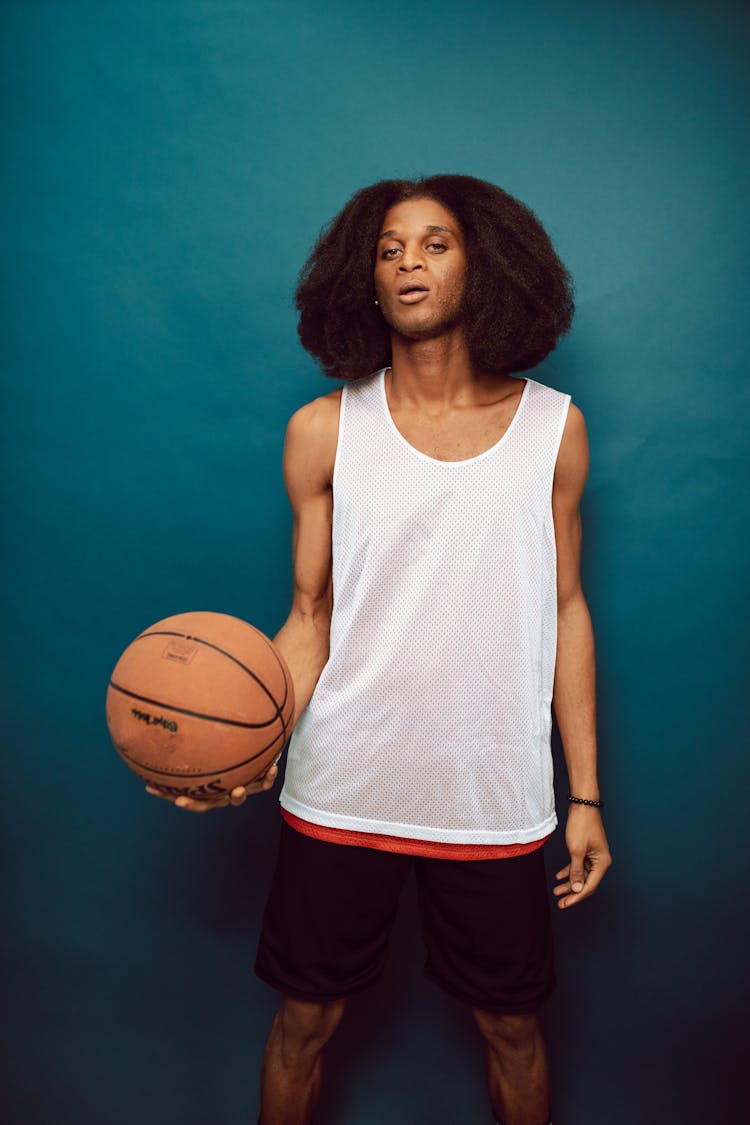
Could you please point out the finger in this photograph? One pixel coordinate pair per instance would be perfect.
(264, 782)
(200, 806)
(156, 793)
(577, 872)
(593, 878)
(186, 803)
(238, 796)
(576, 897)
(563, 873)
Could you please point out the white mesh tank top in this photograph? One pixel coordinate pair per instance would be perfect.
(431, 719)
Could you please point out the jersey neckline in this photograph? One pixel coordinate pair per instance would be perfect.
(437, 460)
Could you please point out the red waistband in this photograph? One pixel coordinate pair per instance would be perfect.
(431, 849)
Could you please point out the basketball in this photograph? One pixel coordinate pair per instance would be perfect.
(200, 703)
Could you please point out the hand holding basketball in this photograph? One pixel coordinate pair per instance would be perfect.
(201, 707)
(237, 797)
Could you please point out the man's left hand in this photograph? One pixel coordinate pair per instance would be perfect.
(590, 857)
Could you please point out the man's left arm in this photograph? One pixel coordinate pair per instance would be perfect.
(574, 694)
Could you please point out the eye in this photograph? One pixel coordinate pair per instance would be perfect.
(440, 246)
(391, 251)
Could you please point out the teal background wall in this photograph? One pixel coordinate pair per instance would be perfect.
(167, 168)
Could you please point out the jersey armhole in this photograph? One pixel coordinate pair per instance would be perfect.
(560, 428)
(557, 442)
(340, 437)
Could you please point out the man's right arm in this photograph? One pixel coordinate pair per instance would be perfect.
(309, 452)
(304, 639)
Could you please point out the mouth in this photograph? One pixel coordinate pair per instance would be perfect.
(412, 292)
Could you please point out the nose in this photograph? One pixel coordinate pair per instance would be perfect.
(410, 260)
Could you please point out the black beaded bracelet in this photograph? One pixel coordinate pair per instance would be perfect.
(583, 801)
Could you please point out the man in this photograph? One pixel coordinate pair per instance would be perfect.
(437, 617)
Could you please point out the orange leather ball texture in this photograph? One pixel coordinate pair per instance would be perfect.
(200, 703)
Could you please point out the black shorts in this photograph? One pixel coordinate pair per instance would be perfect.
(486, 923)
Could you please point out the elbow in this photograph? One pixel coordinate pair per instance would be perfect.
(314, 613)
(571, 603)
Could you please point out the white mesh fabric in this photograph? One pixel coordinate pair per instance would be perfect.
(432, 717)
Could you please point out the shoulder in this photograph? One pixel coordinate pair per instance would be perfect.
(320, 414)
(572, 465)
(312, 434)
(574, 431)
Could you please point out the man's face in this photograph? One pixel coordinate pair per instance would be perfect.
(420, 269)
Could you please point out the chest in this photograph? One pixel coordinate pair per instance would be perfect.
(459, 434)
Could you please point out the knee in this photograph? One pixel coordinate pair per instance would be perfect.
(306, 1026)
(505, 1032)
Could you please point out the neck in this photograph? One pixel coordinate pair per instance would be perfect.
(438, 374)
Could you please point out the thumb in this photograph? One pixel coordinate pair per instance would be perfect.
(577, 873)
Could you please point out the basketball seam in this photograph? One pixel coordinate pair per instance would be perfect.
(195, 714)
(192, 776)
(229, 656)
(274, 653)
